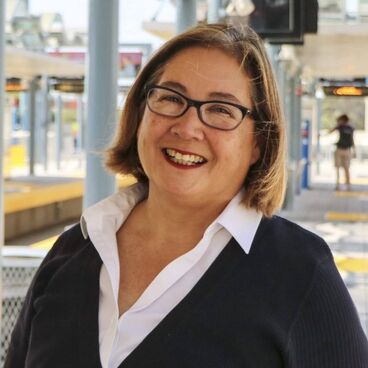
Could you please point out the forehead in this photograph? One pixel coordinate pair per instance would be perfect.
(204, 70)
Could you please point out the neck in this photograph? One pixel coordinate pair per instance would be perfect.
(176, 221)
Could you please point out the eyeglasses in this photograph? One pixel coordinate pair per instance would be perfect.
(216, 114)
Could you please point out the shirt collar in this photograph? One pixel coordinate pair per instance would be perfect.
(241, 222)
(116, 207)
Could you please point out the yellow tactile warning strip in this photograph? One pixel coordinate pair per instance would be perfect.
(345, 216)
(45, 244)
(346, 264)
(41, 195)
(32, 195)
(349, 264)
(362, 180)
(351, 194)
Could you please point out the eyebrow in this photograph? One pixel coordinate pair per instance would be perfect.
(215, 95)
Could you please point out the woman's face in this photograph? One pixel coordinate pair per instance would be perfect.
(216, 161)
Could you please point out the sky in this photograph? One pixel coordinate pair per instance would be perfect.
(131, 15)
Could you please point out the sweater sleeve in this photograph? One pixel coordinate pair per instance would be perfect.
(327, 332)
(18, 347)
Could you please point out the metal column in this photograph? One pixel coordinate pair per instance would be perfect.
(318, 142)
(213, 13)
(81, 122)
(2, 92)
(102, 96)
(366, 114)
(44, 120)
(285, 87)
(58, 130)
(186, 15)
(295, 130)
(31, 111)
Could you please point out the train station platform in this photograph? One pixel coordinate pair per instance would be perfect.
(341, 218)
(33, 203)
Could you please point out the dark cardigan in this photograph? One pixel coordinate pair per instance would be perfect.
(282, 305)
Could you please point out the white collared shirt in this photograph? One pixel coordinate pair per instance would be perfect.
(118, 337)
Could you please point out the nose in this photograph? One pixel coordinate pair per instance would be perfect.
(188, 126)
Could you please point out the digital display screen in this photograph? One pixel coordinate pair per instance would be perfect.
(278, 21)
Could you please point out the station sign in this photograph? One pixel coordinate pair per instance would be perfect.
(345, 88)
(14, 85)
(346, 91)
(67, 85)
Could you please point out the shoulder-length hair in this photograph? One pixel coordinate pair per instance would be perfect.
(265, 182)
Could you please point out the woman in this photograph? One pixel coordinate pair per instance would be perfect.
(189, 268)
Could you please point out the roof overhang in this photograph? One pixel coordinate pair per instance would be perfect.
(27, 64)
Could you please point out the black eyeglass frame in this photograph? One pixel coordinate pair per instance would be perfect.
(197, 104)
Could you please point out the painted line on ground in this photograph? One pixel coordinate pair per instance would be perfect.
(346, 216)
(41, 194)
(351, 193)
(362, 180)
(44, 244)
(349, 264)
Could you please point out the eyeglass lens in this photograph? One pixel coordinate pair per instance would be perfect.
(217, 114)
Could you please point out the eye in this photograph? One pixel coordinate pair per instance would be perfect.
(220, 110)
(172, 98)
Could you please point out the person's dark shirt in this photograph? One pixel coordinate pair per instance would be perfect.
(346, 133)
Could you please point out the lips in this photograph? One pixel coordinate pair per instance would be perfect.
(183, 158)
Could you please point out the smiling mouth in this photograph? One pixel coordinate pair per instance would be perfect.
(181, 158)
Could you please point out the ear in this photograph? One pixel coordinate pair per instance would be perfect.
(255, 153)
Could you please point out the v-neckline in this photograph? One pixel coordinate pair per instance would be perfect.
(219, 270)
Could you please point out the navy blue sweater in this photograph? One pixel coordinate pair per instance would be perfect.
(282, 305)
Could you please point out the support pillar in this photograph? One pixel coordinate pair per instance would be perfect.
(44, 120)
(295, 130)
(213, 13)
(318, 132)
(81, 122)
(366, 114)
(186, 15)
(102, 91)
(31, 111)
(2, 121)
(58, 130)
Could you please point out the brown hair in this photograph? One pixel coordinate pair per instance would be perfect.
(265, 182)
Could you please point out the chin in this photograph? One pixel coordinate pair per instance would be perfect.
(181, 190)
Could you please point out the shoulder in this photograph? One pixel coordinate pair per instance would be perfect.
(281, 229)
(69, 242)
(290, 243)
(70, 249)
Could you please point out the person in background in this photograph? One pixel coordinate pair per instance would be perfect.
(345, 149)
(191, 267)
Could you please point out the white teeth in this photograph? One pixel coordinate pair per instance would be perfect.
(183, 159)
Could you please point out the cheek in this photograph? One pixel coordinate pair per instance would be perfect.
(241, 150)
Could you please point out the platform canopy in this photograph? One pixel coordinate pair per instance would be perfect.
(28, 64)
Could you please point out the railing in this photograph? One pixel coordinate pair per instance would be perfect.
(17, 273)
